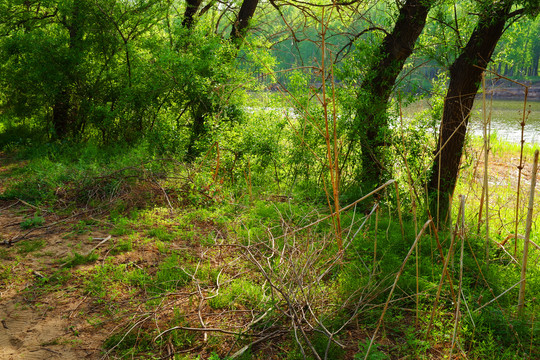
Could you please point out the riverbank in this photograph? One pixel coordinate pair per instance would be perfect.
(513, 92)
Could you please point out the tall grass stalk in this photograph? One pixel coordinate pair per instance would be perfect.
(522, 143)
(444, 270)
(486, 164)
(520, 167)
(330, 137)
(412, 193)
(462, 238)
(394, 287)
(521, 300)
(439, 247)
(375, 242)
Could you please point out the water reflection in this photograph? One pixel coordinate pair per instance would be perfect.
(506, 116)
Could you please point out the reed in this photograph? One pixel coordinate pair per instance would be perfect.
(521, 300)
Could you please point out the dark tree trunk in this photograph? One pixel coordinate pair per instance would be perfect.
(61, 115)
(192, 7)
(239, 28)
(198, 130)
(375, 90)
(465, 78)
(241, 24)
(64, 116)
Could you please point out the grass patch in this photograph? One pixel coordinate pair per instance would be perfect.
(172, 274)
(77, 259)
(112, 281)
(33, 222)
(239, 294)
(162, 233)
(29, 246)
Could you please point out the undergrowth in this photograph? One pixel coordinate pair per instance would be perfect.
(200, 269)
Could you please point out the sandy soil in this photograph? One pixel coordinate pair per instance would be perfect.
(37, 324)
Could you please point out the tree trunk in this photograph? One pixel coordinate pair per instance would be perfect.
(465, 78)
(198, 130)
(64, 116)
(61, 115)
(192, 7)
(371, 118)
(241, 24)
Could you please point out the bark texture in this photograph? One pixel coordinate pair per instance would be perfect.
(240, 26)
(465, 78)
(192, 7)
(376, 89)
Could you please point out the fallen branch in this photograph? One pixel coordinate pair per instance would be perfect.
(247, 347)
(203, 330)
(18, 238)
(98, 245)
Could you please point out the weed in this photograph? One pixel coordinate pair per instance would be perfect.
(207, 275)
(56, 279)
(214, 356)
(179, 338)
(33, 222)
(162, 233)
(238, 294)
(129, 344)
(5, 255)
(7, 273)
(162, 247)
(123, 226)
(123, 245)
(323, 345)
(110, 281)
(26, 247)
(77, 259)
(415, 341)
(83, 226)
(170, 276)
(374, 353)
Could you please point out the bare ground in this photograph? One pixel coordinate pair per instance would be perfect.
(42, 325)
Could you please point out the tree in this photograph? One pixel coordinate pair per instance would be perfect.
(192, 6)
(465, 77)
(202, 108)
(240, 26)
(371, 116)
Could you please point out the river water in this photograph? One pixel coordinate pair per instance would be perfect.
(506, 117)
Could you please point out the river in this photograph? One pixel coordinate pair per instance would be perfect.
(506, 116)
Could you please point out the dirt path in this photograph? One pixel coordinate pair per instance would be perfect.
(41, 320)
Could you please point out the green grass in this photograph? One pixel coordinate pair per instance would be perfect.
(114, 281)
(238, 294)
(157, 256)
(77, 259)
(33, 222)
(162, 233)
(173, 273)
(29, 246)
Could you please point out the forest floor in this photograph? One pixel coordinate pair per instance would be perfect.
(70, 282)
(40, 323)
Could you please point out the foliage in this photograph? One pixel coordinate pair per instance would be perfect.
(239, 294)
(170, 276)
(374, 353)
(207, 160)
(33, 222)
